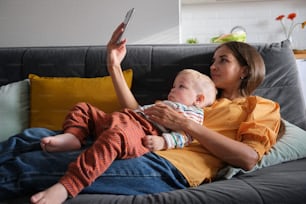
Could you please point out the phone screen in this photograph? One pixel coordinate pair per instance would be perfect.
(126, 22)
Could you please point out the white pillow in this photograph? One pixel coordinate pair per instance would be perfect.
(14, 108)
(291, 146)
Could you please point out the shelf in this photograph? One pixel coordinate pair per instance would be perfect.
(300, 54)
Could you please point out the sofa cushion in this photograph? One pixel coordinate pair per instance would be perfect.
(14, 108)
(11, 65)
(53, 97)
(281, 82)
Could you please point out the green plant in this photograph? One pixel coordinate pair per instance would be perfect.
(192, 41)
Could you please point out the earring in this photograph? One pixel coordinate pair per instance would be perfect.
(241, 78)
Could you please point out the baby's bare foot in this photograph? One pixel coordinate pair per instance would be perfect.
(60, 143)
(56, 194)
(154, 143)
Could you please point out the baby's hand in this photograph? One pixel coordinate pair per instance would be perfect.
(154, 143)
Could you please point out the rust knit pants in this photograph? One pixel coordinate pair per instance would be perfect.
(116, 136)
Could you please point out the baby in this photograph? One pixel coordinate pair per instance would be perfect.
(123, 135)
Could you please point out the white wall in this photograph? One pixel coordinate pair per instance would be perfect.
(91, 22)
(85, 22)
(207, 20)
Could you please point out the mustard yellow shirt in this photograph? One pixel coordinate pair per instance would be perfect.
(253, 120)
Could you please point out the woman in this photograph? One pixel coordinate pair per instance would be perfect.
(237, 70)
(238, 130)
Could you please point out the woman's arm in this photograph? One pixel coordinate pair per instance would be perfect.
(115, 54)
(230, 151)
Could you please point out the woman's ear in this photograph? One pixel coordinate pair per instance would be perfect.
(244, 72)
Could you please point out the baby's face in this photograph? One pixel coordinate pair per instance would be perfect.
(183, 90)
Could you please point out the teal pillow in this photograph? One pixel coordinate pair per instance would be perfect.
(14, 108)
(291, 146)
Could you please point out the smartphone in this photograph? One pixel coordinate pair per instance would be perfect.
(126, 22)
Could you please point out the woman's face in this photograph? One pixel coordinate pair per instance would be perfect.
(225, 70)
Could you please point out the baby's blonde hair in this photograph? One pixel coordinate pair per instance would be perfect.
(203, 85)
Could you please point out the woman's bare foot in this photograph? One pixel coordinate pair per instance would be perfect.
(56, 194)
(60, 143)
(154, 143)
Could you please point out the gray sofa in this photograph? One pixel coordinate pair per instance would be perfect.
(154, 67)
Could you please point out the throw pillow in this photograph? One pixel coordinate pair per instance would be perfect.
(291, 146)
(53, 97)
(14, 108)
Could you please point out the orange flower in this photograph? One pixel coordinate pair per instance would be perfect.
(290, 16)
(279, 18)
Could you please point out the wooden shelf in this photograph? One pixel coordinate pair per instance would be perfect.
(300, 54)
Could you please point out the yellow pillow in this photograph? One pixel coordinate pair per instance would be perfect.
(53, 97)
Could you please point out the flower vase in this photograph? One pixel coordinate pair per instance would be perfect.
(290, 39)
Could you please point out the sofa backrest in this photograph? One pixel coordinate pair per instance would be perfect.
(154, 68)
